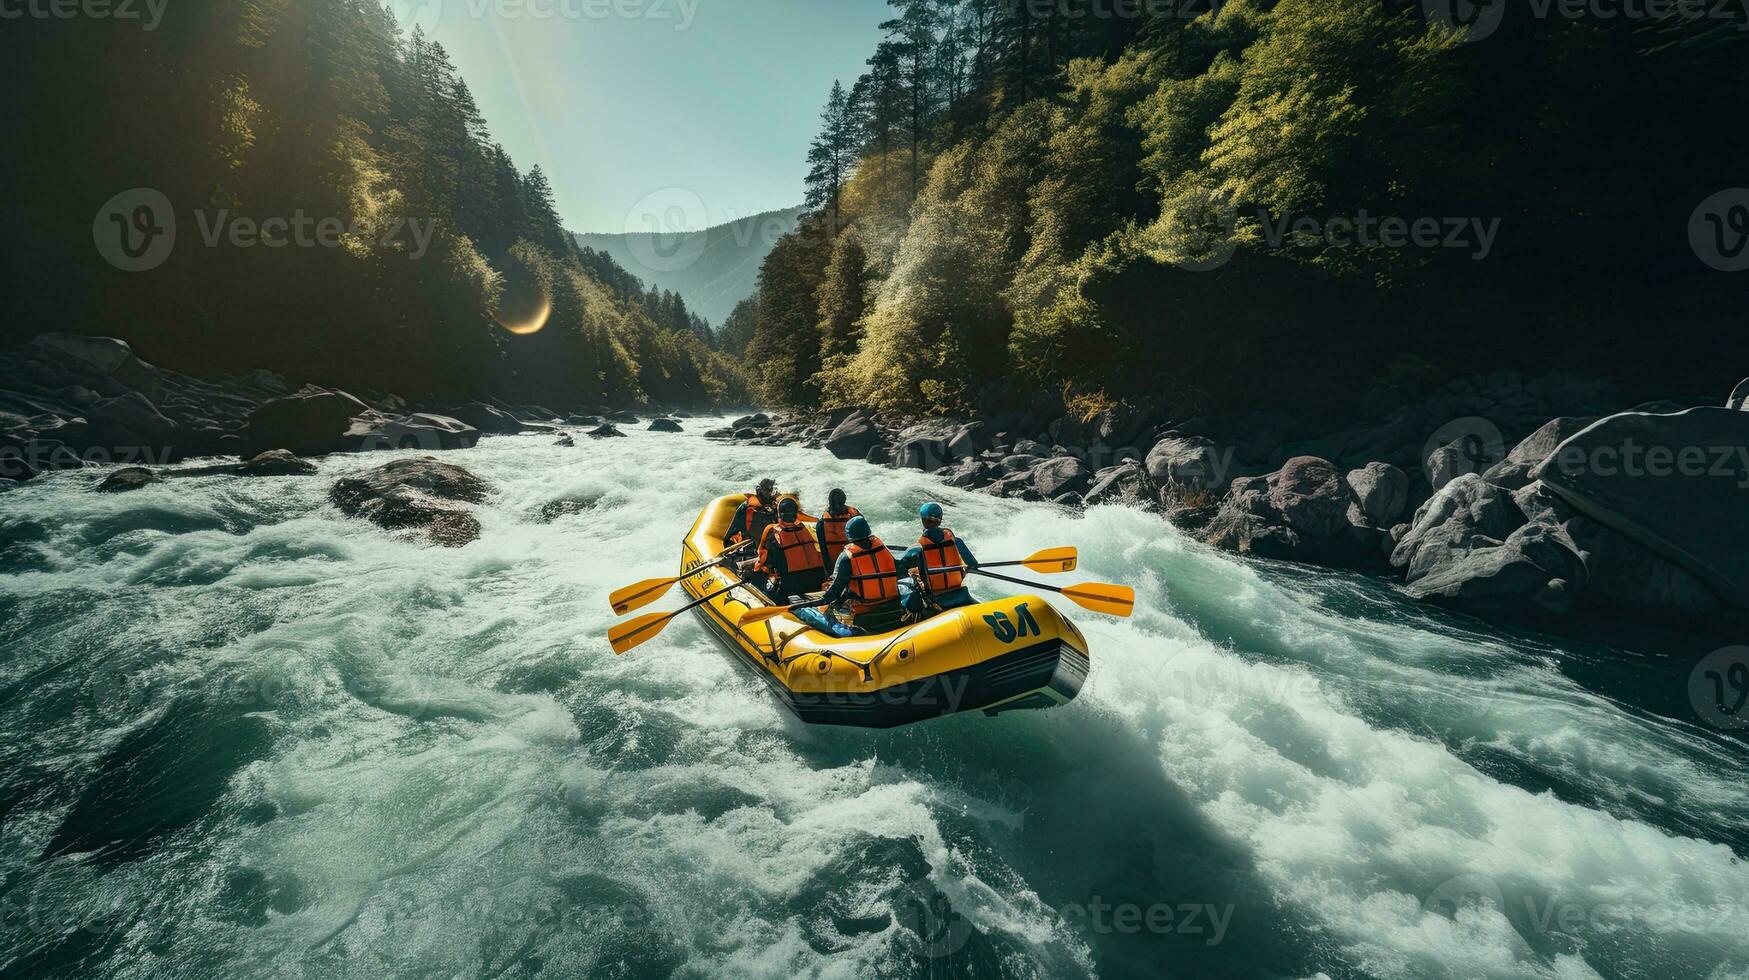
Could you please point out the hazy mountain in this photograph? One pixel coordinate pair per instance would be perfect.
(711, 270)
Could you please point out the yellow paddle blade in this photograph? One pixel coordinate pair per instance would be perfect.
(1113, 600)
(637, 632)
(1054, 561)
(753, 617)
(638, 596)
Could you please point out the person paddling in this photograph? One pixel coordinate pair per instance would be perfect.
(939, 561)
(867, 580)
(755, 514)
(789, 556)
(830, 529)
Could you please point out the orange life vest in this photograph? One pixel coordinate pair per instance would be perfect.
(874, 576)
(801, 553)
(943, 567)
(752, 529)
(832, 531)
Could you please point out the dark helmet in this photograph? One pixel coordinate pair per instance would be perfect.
(787, 507)
(858, 530)
(931, 512)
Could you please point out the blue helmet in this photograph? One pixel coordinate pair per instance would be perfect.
(931, 512)
(858, 529)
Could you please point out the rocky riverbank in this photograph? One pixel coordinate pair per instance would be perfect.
(72, 402)
(1541, 501)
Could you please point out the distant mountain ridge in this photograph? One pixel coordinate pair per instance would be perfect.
(712, 270)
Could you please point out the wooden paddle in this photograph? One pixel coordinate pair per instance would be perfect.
(637, 632)
(642, 594)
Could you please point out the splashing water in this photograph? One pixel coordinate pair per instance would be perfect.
(246, 736)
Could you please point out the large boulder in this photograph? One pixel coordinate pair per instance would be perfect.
(1309, 495)
(1190, 463)
(665, 425)
(488, 418)
(608, 430)
(275, 462)
(1055, 477)
(1622, 574)
(1466, 513)
(1381, 493)
(853, 437)
(924, 446)
(1471, 545)
(128, 478)
(1678, 485)
(379, 432)
(131, 420)
(971, 439)
(99, 356)
(418, 494)
(1115, 484)
(1519, 468)
(308, 423)
(1460, 457)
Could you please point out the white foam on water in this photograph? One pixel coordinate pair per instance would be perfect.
(459, 778)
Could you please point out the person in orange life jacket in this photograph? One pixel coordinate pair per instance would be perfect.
(756, 513)
(830, 529)
(939, 561)
(789, 555)
(867, 580)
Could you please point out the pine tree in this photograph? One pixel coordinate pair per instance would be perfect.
(912, 36)
(831, 155)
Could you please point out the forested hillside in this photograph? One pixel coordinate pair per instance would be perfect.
(413, 255)
(1021, 203)
(712, 270)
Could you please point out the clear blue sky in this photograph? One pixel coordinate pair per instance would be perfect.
(630, 116)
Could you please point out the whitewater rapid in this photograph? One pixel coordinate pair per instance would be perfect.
(243, 735)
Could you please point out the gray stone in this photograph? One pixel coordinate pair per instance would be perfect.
(609, 431)
(853, 437)
(132, 420)
(101, 356)
(1115, 483)
(376, 431)
(1381, 493)
(1056, 477)
(128, 478)
(1519, 468)
(1020, 463)
(1309, 495)
(418, 494)
(924, 446)
(308, 423)
(1677, 485)
(665, 425)
(1458, 458)
(275, 462)
(1190, 463)
(1622, 573)
(488, 418)
(972, 439)
(1467, 513)
(1471, 545)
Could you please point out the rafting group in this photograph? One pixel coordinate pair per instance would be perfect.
(850, 631)
(863, 587)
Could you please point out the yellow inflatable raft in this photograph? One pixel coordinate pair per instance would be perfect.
(1008, 655)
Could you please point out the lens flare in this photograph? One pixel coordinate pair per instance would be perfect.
(531, 325)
